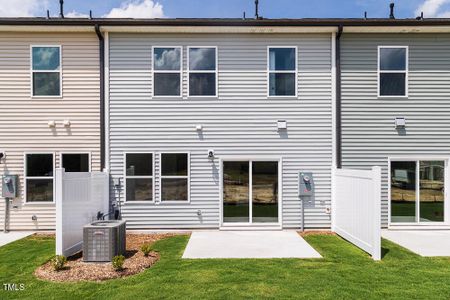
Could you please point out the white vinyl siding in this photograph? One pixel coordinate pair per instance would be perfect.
(242, 121)
(369, 136)
(24, 119)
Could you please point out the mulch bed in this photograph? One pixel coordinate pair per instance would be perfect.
(315, 232)
(78, 270)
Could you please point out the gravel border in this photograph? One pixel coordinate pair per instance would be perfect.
(78, 270)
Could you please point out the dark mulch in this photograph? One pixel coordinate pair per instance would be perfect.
(77, 270)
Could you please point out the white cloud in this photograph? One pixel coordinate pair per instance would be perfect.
(433, 9)
(137, 9)
(75, 14)
(22, 8)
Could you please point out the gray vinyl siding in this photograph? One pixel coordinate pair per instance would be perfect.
(24, 120)
(368, 133)
(241, 121)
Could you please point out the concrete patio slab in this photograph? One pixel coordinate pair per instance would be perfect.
(422, 242)
(248, 244)
(12, 236)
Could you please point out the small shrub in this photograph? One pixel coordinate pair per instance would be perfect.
(117, 262)
(58, 262)
(146, 249)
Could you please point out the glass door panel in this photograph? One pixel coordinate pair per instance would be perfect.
(264, 192)
(432, 191)
(236, 198)
(403, 191)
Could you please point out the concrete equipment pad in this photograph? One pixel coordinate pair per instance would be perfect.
(12, 236)
(248, 244)
(422, 242)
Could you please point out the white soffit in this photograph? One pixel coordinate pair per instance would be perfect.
(45, 28)
(396, 29)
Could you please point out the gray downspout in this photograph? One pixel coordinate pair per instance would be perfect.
(101, 41)
(338, 99)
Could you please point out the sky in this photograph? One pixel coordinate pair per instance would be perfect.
(226, 8)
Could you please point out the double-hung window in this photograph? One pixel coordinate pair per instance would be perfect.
(282, 71)
(167, 71)
(174, 177)
(75, 162)
(46, 70)
(392, 71)
(139, 176)
(39, 177)
(202, 69)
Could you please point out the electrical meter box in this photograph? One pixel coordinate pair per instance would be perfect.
(306, 184)
(9, 186)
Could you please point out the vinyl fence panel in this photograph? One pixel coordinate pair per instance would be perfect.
(79, 196)
(357, 208)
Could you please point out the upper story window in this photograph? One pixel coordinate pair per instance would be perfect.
(282, 67)
(46, 70)
(202, 69)
(393, 71)
(167, 71)
(139, 176)
(39, 177)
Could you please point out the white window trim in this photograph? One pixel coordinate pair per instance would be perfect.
(125, 176)
(180, 71)
(188, 177)
(37, 177)
(251, 159)
(268, 71)
(60, 71)
(216, 72)
(417, 159)
(74, 152)
(406, 72)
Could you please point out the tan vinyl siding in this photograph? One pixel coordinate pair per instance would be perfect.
(23, 120)
(241, 121)
(369, 136)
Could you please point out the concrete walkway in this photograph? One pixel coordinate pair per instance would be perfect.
(422, 242)
(248, 244)
(12, 236)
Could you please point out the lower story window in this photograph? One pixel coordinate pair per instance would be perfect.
(75, 162)
(139, 176)
(417, 191)
(39, 177)
(174, 177)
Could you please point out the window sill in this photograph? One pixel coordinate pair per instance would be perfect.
(28, 203)
(47, 97)
(392, 97)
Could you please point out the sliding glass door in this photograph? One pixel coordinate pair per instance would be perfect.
(417, 191)
(250, 192)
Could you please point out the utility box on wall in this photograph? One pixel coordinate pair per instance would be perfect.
(9, 186)
(306, 188)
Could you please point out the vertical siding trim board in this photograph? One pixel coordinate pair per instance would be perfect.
(25, 177)
(125, 177)
(107, 153)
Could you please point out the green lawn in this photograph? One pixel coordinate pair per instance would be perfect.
(344, 273)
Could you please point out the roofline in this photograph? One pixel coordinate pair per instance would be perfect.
(226, 25)
(221, 22)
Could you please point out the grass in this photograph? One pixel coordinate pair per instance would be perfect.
(345, 272)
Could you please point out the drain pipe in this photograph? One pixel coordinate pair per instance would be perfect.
(101, 41)
(338, 99)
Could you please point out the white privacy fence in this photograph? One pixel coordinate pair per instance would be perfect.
(79, 196)
(357, 208)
